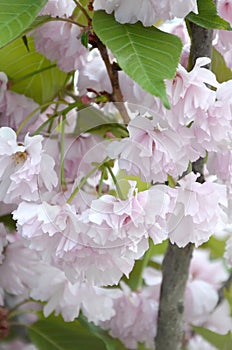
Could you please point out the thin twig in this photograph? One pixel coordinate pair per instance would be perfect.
(226, 286)
(89, 19)
(68, 20)
(116, 96)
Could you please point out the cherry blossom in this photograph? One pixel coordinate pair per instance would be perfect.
(67, 299)
(135, 312)
(205, 278)
(197, 211)
(58, 8)
(225, 9)
(148, 12)
(23, 265)
(21, 165)
(14, 108)
(81, 237)
(151, 151)
(111, 230)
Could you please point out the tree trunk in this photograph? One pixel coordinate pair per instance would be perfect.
(170, 328)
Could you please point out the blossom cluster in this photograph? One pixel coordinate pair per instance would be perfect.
(88, 204)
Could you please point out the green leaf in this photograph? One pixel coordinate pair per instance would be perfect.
(29, 72)
(37, 22)
(16, 16)
(85, 39)
(146, 54)
(123, 181)
(159, 249)
(228, 296)
(79, 16)
(55, 334)
(208, 17)
(219, 67)
(221, 342)
(110, 343)
(216, 247)
(91, 119)
(8, 221)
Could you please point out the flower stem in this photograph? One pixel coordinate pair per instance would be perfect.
(120, 195)
(83, 181)
(89, 19)
(62, 151)
(100, 184)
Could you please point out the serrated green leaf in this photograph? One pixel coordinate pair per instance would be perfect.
(55, 334)
(221, 342)
(16, 16)
(146, 54)
(29, 72)
(219, 67)
(208, 17)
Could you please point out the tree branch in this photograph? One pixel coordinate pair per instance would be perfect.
(171, 309)
(116, 96)
(170, 328)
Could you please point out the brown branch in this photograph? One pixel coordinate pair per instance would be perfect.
(78, 4)
(116, 96)
(201, 43)
(171, 310)
(170, 328)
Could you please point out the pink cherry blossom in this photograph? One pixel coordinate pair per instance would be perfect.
(225, 9)
(220, 164)
(223, 44)
(81, 152)
(111, 230)
(197, 342)
(219, 320)
(135, 312)
(89, 77)
(148, 11)
(60, 41)
(58, 8)
(14, 108)
(75, 245)
(151, 151)
(21, 165)
(19, 269)
(67, 299)
(188, 91)
(205, 278)
(197, 211)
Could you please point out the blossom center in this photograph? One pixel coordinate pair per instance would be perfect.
(19, 157)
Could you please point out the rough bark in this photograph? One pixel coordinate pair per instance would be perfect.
(171, 309)
(170, 327)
